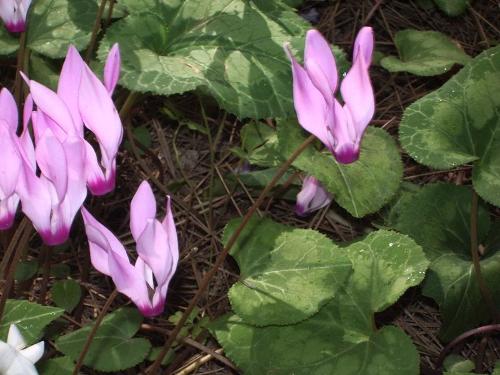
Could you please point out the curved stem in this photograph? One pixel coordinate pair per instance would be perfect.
(222, 256)
(473, 332)
(18, 81)
(17, 245)
(95, 30)
(128, 105)
(92, 333)
(483, 287)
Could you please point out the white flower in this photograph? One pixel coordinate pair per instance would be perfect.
(15, 358)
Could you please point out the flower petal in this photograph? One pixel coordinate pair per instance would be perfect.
(142, 209)
(112, 68)
(310, 105)
(173, 243)
(312, 197)
(356, 88)
(34, 352)
(15, 338)
(320, 64)
(8, 109)
(69, 85)
(10, 157)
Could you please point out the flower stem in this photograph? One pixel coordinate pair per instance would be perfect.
(222, 256)
(92, 333)
(17, 245)
(95, 31)
(18, 81)
(483, 287)
(128, 105)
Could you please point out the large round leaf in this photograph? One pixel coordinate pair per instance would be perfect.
(232, 49)
(55, 24)
(460, 123)
(340, 338)
(287, 274)
(424, 53)
(362, 187)
(438, 218)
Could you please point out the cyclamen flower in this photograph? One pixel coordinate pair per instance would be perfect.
(146, 282)
(82, 99)
(10, 165)
(15, 357)
(339, 127)
(13, 14)
(312, 197)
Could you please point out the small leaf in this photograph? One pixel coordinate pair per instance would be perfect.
(66, 294)
(362, 187)
(57, 366)
(26, 270)
(424, 53)
(113, 348)
(29, 317)
(55, 24)
(170, 47)
(287, 274)
(456, 363)
(452, 8)
(8, 44)
(460, 123)
(438, 218)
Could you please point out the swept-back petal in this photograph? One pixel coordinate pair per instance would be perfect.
(142, 209)
(15, 338)
(8, 208)
(320, 64)
(13, 14)
(364, 44)
(312, 197)
(10, 160)
(51, 159)
(169, 226)
(27, 109)
(52, 105)
(69, 85)
(356, 88)
(310, 105)
(112, 68)
(11, 362)
(99, 113)
(34, 352)
(8, 109)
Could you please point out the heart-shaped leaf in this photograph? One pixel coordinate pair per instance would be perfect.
(424, 53)
(182, 46)
(66, 294)
(340, 338)
(438, 218)
(55, 24)
(287, 274)
(362, 187)
(460, 123)
(29, 317)
(113, 348)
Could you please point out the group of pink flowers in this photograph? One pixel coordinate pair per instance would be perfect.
(50, 176)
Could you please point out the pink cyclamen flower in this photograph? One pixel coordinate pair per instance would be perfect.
(82, 99)
(52, 195)
(13, 14)
(10, 165)
(146, 282)
(312, 197)
(339, 127)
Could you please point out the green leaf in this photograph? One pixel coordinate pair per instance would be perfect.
(43, 70)
(456, 363)
(460, 123)
(362, 187)
(438, 218)
(260, 143)
(66, 294)
(340, 338)
(287, 274)
(424, 53)
(230, 49)
(113, 348)
(55, 24)
(8, 43)
(452, 7)
(25, 270)
(29, 317)
(57, 366)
